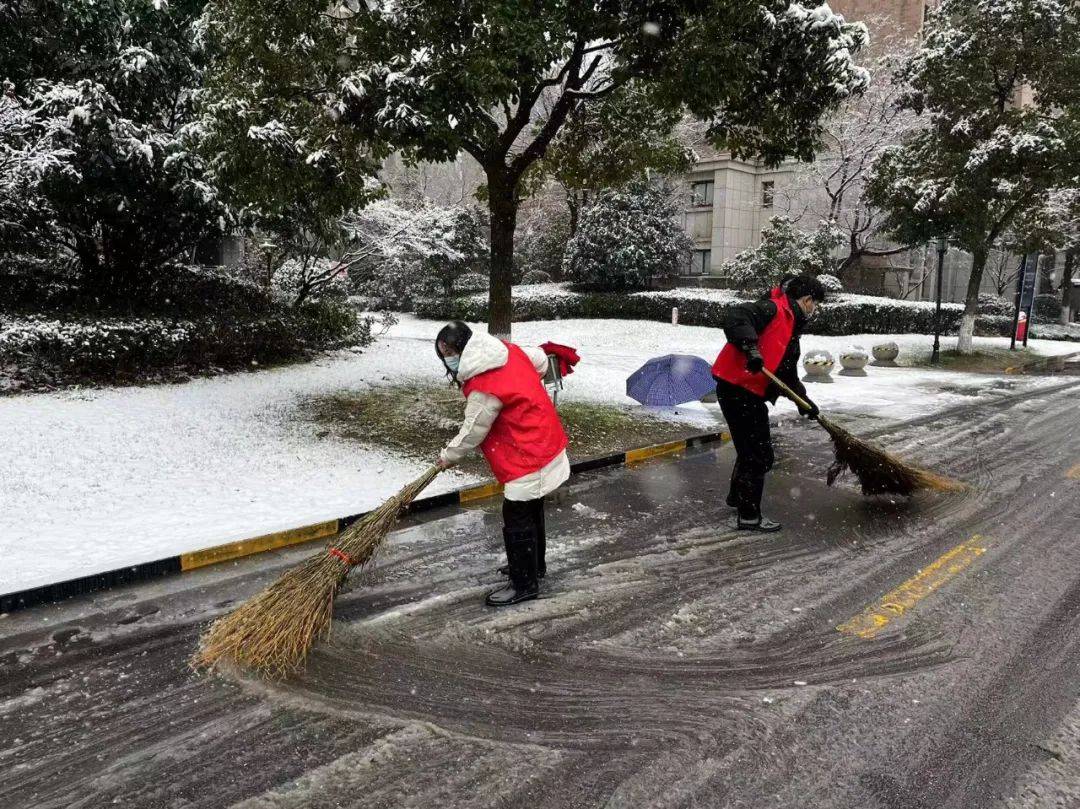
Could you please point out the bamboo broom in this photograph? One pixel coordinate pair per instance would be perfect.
(272, 632)
(879, 472)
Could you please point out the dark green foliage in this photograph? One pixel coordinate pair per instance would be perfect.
(270, 125)
(109, 85)
(1047, 307)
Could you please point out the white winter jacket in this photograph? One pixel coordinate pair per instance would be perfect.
(484, 353)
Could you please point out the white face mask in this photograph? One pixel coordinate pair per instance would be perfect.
(452, 362)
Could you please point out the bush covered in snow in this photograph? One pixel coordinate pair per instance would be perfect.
(32, 282)
(535, 277)
(190, 319)
(842, 314)
(831, 283)
(628, 238)
(1047, 307)
(471, 282)
(784, 250)
(43, 286)
(1002, 325)
(541, 238)
(990, 304)
(396, 253)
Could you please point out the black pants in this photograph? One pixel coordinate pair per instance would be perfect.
(748, 419)
(521, 515)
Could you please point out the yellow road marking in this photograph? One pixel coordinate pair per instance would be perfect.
(1074, 473)
(635, 455)
(479, 492)
(900, 601)
(267, 542)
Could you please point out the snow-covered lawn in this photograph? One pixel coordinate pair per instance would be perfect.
(97, 479)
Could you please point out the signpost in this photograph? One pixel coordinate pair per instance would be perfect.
(1025, 298)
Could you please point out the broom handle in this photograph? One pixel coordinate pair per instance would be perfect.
(800, 401)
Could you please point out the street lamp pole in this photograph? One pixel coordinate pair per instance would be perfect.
(935, 355)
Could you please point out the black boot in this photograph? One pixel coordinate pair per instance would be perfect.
(751, 487)
(760, 524)
(521, 555)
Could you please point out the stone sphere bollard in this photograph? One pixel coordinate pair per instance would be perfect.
(854, 359)
(818, 365)
(886, 353)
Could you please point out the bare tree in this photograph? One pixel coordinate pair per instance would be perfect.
(1003, 268)
(833, 186)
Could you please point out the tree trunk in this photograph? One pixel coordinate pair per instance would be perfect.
(971, 304)
(575, 211)
(1066, 287)
(502, 205)
(94, 276)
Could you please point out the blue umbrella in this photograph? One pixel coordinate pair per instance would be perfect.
(671, 380)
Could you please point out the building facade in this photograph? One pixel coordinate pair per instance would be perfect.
(728, 203)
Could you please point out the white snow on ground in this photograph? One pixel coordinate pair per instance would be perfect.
(611, 350)
(94, 480)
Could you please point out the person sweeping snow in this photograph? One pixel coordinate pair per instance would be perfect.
(511, 418)
(762, 334)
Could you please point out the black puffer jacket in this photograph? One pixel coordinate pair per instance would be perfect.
(748, 320)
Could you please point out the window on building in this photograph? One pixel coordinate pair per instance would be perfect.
(700, 262)
(767, 193)
(701, 193)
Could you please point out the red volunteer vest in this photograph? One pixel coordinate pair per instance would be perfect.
(730, 365)
(527, 433)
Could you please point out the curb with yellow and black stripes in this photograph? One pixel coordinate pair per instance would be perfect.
(230, 551)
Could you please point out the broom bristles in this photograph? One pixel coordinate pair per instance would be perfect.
(878, 471)
(272, 632)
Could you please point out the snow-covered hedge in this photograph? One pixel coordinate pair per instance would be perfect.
(1001, 326)
(472, 281)
(93, 346)
(867, 314)
(843, 314)
(38, 285)
(51, 351)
